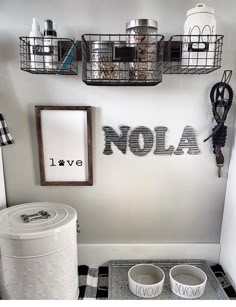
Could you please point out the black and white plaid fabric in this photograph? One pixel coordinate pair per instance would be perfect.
(93, 283)
(5, 137)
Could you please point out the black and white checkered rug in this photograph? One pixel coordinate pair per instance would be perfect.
(93, 282)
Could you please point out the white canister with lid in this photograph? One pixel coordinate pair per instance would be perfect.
(38, 252)
(199, 42)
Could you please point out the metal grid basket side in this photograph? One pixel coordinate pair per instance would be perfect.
(193, 54)
(62, 62)
(85, 58)
(102, 67)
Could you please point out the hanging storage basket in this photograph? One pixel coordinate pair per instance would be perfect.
(193, 54)
(51, 56)
(122, 59)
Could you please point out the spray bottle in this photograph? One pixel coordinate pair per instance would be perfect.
(50, 46)
(36, 47)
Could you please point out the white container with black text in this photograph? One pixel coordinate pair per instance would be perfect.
(199, 42)
(36, 47)
(50, 46)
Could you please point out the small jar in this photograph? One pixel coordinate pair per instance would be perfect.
(142, 33)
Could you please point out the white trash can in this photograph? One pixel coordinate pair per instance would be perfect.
(38, 252)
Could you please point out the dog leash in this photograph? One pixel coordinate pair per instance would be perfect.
(221, 97)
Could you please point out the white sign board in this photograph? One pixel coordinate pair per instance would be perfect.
(64, 137)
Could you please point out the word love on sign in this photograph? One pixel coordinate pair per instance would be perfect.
(141, 141)
(62, 162)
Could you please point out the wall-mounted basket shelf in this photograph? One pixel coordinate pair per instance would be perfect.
(120, 59)
(195, 54)
(141, 59)
(50, 56)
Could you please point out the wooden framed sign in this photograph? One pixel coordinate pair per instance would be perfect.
(64, 145)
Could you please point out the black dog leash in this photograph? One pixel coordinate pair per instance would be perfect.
(221, 96)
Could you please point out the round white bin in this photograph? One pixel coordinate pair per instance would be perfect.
(38, 252)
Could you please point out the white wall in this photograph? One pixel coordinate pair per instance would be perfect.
(2, 184)
(151, 199)
(228, 246)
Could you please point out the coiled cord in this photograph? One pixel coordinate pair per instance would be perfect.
(219, 137)
(218, 100)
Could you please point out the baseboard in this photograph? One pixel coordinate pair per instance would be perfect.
(98, 254)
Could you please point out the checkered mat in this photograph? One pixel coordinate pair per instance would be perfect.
(93, 282)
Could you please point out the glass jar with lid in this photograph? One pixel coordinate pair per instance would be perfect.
(142, 34)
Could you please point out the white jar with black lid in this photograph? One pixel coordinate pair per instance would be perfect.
(38, 252)
(142, 35)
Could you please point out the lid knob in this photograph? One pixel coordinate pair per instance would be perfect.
(200, 5)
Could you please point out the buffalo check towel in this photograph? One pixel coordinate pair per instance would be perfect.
(5, 137)
(93, 283)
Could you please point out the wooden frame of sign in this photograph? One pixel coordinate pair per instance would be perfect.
(64, 136)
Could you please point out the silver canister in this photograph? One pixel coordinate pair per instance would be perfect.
(102, 65)
(142, 33)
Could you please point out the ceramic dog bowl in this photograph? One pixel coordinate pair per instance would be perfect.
(187, 281)
(146, 280)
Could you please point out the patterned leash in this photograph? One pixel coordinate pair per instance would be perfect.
(221, 96)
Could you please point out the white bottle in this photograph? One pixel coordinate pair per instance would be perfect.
(50, 46)
(200, 21)
(36, 47)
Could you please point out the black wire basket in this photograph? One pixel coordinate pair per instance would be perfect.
(193, 54)
(120, 59)
(42, 55)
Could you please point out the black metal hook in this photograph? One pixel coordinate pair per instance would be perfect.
(227, 74)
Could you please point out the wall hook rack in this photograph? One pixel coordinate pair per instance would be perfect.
(227, 74)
